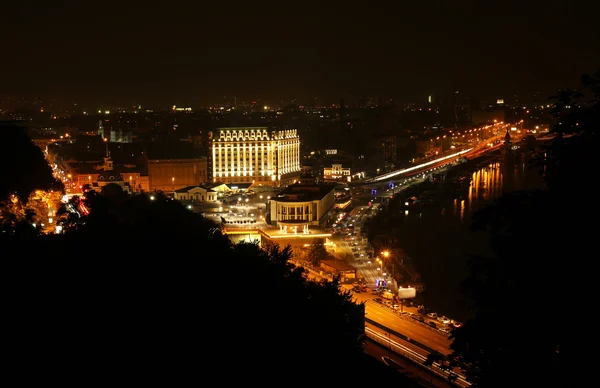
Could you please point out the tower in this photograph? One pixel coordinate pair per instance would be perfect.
(507, 142)
(101, 129)
(108, 163)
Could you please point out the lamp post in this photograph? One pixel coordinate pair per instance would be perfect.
(386, 254)
(380, 271)
(173, 186)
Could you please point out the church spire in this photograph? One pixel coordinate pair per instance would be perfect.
(507, 140)
(108, 163)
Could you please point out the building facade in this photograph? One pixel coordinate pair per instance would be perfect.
(255, 155)
(109, 175)
(337, 172)
(196, 194)
(169, 175)
(300, 206)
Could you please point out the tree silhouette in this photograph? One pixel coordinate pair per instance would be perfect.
(317, 252)
(24, 171)
(145, 288)
(540, 243)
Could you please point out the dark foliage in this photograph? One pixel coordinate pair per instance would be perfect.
(23, 167)
(146, 291)
(531, 296)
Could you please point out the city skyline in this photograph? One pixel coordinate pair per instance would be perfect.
(195, 56)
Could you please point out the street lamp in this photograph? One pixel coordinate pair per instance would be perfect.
(386, 254)
(173, 186)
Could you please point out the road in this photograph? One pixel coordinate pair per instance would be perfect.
(424, 167)
(403, 324)
(406, 367)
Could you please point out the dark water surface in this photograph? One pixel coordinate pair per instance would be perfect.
(436, 234)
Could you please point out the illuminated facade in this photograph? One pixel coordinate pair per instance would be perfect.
(337, 172)
(255, 155)
(301, 205)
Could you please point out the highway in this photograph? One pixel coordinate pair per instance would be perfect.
(404, 366)
(472, 150)
(403, 324)
(349, 244)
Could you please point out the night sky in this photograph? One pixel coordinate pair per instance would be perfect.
(195, 52)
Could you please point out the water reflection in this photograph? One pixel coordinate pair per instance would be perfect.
(490, 182)
(435, 231)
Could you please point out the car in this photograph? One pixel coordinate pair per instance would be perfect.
(445, 330)
(378, 300)
(432, 324)
(432, 315)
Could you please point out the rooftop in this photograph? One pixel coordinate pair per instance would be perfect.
(304, 192)
(276, 233)
(338, 265)
(173, 150)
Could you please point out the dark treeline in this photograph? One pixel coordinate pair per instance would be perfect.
(151, 291)
(529, 294)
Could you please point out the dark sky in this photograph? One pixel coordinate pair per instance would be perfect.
(188, 52)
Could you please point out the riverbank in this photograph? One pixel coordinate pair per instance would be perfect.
(431, 222)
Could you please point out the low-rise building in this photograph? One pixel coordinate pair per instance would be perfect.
(338, 267)
(300, 205)
(169, 175)
(337, 172)
(196, 194)
(109, 175)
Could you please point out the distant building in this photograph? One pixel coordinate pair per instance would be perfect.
(175, 165)
(256, 155)
(109, 175)
(337, 172)
(169, 175)
(196, 193)
(113, 135)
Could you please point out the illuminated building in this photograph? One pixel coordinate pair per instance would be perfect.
(110, 176)
(256, 155)
(196, 194)
(337, 172)
(301, 205)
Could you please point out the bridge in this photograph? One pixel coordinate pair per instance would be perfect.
(487, 145)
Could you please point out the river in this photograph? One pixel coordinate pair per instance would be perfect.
(436, 233)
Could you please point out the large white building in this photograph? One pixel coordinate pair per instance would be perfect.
(301, 205)
(255, 155)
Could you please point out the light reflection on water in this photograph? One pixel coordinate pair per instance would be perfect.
(437, 235)
(490, 182)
